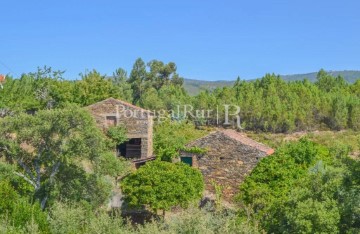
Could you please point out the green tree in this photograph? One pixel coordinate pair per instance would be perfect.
(325, 82)
(94, 87)
(339, 115)
(137, 79)
(163, 74)
(349, 197)
(150, 100)
(354, 113)
(119, 80)
(313, 205)
(162, 185)
(44, 144)
(173, 96)
(355, 88)
(269, 186)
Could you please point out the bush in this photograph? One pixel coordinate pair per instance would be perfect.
(18, 212)
(305, 188)
(170, 137)
(268, 187)
(76, 218)
(109, 164)
(162, 185)
(117, 134)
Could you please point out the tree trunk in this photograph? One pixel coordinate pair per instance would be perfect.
(43, 203)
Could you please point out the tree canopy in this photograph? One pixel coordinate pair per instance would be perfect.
(163, 185)
(49, 145)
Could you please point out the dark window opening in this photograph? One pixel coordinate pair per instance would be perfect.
(111, 121)
(130, 149)
(222, 158)
(187, 160)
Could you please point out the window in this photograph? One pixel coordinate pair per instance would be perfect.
(187, 160)
(111, 121)
(130, 149)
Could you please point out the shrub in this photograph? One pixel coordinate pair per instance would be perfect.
(117, 134)
(170, 137)
(18, 211)
(162, 185)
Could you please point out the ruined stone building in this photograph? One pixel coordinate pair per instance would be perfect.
(138, 123)
(229, 157)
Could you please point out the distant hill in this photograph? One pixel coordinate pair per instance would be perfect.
(194, 87)
(350, 76)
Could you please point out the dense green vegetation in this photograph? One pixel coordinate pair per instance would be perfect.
(307, 188)
(58, 171)
(48, 147)
(170, 137)
(163, 185)
(269, 104)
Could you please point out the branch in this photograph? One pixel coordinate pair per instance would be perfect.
(27, 170)
(5, 149)
(37, 166)
(54, 170)
(21, 163)
(25, 178)
(38, 175)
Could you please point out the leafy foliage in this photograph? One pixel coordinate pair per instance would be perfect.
(170, 137)
(303, 188)
(195, 149)
(19, 210)
(55, 153)
(268, 104)
(314, 208)
(49, 143)
(117, 134)
(162, 185)
(76, 218)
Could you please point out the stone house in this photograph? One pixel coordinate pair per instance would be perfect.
(229, 157)
(137, 121)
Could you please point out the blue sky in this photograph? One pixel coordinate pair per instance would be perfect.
(208, 40)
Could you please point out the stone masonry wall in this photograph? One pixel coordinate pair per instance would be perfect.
(227, 162)
(138, 122)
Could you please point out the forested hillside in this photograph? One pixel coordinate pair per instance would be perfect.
(267, 104)
(349, 76)
(194, 87)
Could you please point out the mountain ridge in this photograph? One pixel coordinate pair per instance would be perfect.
(194, 86)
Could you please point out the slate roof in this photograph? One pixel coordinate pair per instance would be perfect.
(120, 102)
(242, 138)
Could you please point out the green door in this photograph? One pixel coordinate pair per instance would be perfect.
(187, 160)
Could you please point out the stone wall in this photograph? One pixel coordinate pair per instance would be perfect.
(137, 121)
(227, 162)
